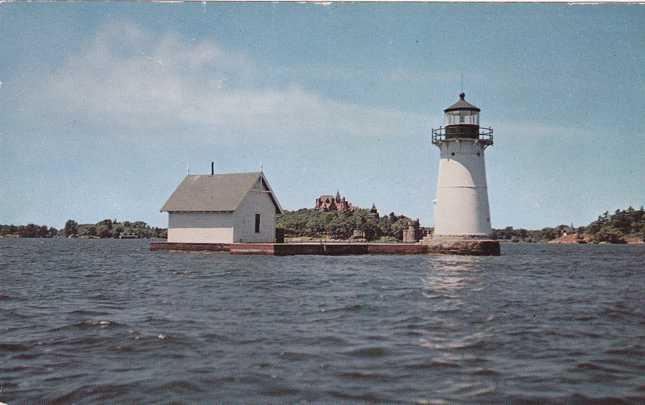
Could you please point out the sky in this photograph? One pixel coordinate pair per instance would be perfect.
(104, 107)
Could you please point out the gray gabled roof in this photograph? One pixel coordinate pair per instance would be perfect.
(215, 193)
(462, 104)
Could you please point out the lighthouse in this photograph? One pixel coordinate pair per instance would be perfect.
(462, 215)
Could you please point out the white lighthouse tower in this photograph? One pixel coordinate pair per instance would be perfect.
(462, 213)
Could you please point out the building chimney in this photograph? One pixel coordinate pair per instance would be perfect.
(212, 168)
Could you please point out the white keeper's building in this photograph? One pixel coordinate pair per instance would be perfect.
(222, 208)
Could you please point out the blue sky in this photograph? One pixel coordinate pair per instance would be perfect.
(103, 106)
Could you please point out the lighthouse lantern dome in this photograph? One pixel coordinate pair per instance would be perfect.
(461, 113)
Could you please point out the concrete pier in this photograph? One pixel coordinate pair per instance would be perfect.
(478, 247)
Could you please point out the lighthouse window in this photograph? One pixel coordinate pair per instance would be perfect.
(462, 117)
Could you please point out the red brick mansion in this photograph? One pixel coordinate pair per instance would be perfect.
(333, 203)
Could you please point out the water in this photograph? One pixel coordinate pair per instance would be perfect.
(102, 320)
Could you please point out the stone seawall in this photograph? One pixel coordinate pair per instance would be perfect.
(396, 249)
(463, 247)
(195, 247)
(290, 249)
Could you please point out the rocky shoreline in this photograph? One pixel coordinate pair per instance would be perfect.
(587, 239)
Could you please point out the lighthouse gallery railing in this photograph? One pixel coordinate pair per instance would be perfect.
(485, 135)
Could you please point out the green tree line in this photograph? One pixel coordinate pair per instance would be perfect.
(341, 225)
(111, 228)
(611, 228)
(107, 228)
(28, 231)
(615, 227)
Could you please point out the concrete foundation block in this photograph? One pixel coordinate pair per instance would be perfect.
(472, 247)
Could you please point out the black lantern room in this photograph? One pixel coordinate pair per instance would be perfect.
(461, 121)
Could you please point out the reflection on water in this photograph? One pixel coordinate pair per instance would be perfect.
(110, 321)
(447, 276)
(448, 284)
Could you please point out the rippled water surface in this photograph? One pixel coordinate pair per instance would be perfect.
(102, 320)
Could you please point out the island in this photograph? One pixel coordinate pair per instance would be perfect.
(626, 226)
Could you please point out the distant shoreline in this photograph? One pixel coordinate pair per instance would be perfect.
(630, 242)
(77, 238)
(361, 226)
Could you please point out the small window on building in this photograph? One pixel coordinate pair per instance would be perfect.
(257, 223)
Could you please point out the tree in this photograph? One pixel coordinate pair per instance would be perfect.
(29, 231)
(548, 234)
(594, 227)
(398, 227)
(107, 222)
(580, 231)
(371, 230)
(117, 232)
(609, 234)
(341, 225)
(71, 227)
(105, 232)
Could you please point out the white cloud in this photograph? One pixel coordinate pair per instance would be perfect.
(130, 79)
